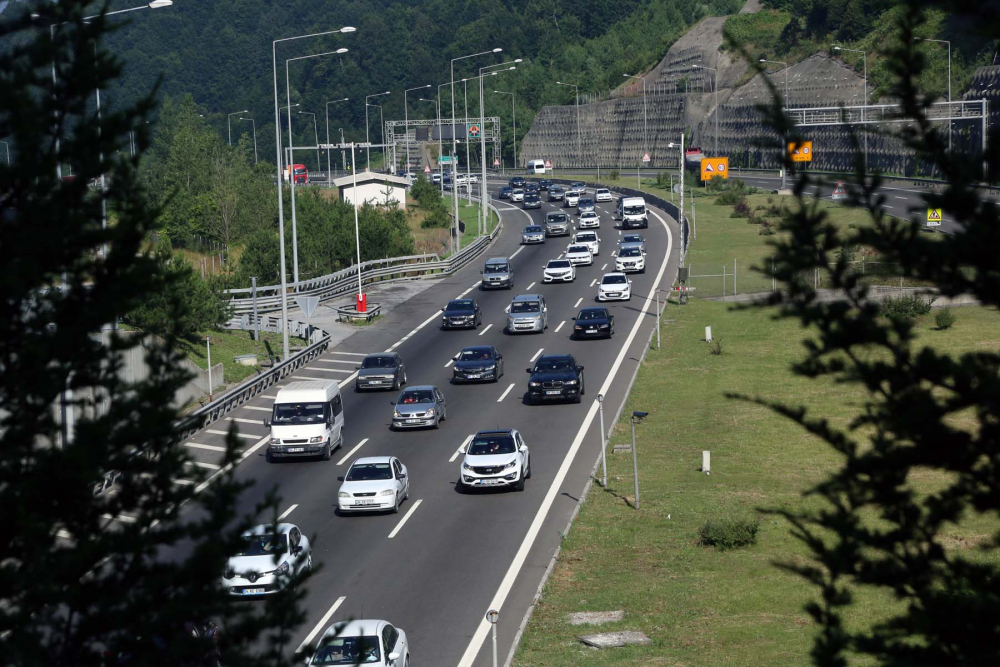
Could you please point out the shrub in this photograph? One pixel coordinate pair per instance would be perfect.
(726, 534)
(437, 216)
(766, 228)
(715, 347)
(944, 319)
(741, 209)
(904, 307)
(613, 174)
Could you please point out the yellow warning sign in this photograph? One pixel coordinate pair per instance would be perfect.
(714, 166)
(933, 217)
(801, 152)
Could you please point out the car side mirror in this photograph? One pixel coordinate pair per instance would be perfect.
(523, 448)
(394, 655)
(357, 368)
(579, 369)
(402, 475)
(527, 370)
(573, 318)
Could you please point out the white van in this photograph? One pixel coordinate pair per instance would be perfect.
(536, 166)
(307, 420)
(632, 212)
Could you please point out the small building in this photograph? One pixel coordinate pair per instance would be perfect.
(374, 189)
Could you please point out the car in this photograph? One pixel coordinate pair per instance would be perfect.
(559, 270)
(531, 186)
(532, 200)
(374, 484)
(384, 370)
(544, 184)
(614, 287)
(589, 220)
(473, 178)
(556, 223)
(602, 194)
(411, 175)
(505, 192)
(594, 322)
(533, 234)
(579, 254)
(497, 458)
(631, 258)
(555, 377)
(585, 204)
(589, 239)
(527, 313)
(479, 363)
(516, 182)
(497, 274)
(363, 641)
(267, 559)
(436, 179)
(556, 193)
(632, 238)
(419, 406)
(461, 314)
(461, 179)
(571, 198)
(517, 195)
(579, 186)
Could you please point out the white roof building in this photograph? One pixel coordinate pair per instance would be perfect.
(374, 189)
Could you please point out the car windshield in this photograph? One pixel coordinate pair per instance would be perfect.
(491, 444)
(555, 189)
(263, 545)
(465, 304)
(631, 238)
(592, 315)
(630, 252)
(496, 268)
(585, 201)
(297, 413)
(475, 355)
(558, 264)
(550, 365)
(531, 197)
(525, 307)
(416, 396)
(578, 248)
(588, 214)
(635, 210)
(557, 218)
(364, 472)
(586, 238)
(518, 191)
(300, 171)
(613, 280)
(533, 229)
(348, 651)
(379, 362)
(602, 191)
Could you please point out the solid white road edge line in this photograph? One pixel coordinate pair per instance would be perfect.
(406, 517)
(536, 525)
(538, 354)
(322, 622)
(458, 451)
(287, 512)
(243, 421)
(351, 453)
(506, 391)
(238, 435)
(488, 326)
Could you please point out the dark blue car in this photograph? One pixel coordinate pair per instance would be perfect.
(480, 363)
(594, 322)
(505, 192)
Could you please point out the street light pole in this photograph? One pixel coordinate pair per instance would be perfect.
(715, 88)
(482, 132)
(784, 147)
(437, 106)
(513, 116)
(329, 172)
(454, 138)
(253, 125)
(579, 141)
(943, 41)
(319, 165)
(368, 153)
(645, 127)
(229, 124)
(864, 55)
(604, 461)
(406, 126)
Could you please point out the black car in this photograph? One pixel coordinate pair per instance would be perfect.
(531, 186)
(555, 377)
(556, 193)
(383, 370)
(531, 200)
(505, 192)
(594, 322)
(544, 184)
(516, 182)
(461, 314)
(480, 363)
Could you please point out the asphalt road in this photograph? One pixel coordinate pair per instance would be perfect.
(435, 568)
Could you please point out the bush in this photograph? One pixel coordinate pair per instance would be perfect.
(715, 347)
(726, 534)
(426, 194)
(904, 307)
(613, 174)
(741, 209)
(437, 216)
(944, 319)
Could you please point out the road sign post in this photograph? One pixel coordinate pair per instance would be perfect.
(493, 616)
(839, 193)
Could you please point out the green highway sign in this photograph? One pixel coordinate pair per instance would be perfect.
(445, 159)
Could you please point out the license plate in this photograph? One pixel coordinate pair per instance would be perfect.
(252, 591)
(487, 482)
(374, 382)
(553, 392)
(292, 450)
(364, 502)
(591, 330)
(412, 421)
(474, 376)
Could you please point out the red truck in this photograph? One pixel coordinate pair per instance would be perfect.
(300, 171)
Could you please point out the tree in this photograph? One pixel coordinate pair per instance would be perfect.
(926, 412)
(229, 172)
(74, 582)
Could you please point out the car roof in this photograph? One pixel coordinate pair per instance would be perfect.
(613, 273)
(265, 529)
(373, 459)
(587, 232)
(588, 214)
(495, 431)
(583, 248)
(527, 297)
(497, 259)
(368, 627)
(590, 308)
(531, 225)
(555, 356)
(419, 387)
(478, 348)
(603, 190)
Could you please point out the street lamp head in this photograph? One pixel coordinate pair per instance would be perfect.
(348, 29)
(836, 48)
(497, 50)
(517, 60)
(341, 50)
(763, 60)
(156, 4)
(600, 398)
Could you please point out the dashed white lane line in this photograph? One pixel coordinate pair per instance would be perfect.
(322, 623)
(528, 288)
(211, 448)
(514, 254)
(593, 282)
(474, 286)
(243, 421)
(254, 407)
(450, 362)
(560, 326)
(539, 353)
(317, 369)
(350, 354)
(506, 391)
(405, 338)
(406, 517)
(579, 301)
(903, 198)
(310, 377)
(488, 327)
(248, 436)
(269, 396)
(605, 266)
(333, 361)
(183, 482)
(287, 512)
(461, 448)
(351, 453)
(229, 466)
(210, 466)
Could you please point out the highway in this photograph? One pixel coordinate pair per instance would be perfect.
(435, 568)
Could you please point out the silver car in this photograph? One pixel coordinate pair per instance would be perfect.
(527, 313)
(497, 273)
(267, 558)
(381, 371)
(418, 407)
(556, 224)
(533, 234)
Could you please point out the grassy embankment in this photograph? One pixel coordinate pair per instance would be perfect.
(228, 344)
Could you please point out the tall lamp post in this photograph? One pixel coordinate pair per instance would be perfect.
(406, 126)
(482, 135)
(671, 145)
(281, 203)
(454, 137)
(288, 151)
(329, 173)
(784, 147)
(715, 88)
(579, 140)
(513, 117)
(865, 104)
(437, 108)
(368, 154)
(645, 127)
(253, 125)
(229, 124)
(319, 165)
(942, 41)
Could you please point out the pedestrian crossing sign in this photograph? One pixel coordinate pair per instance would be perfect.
(933, 217)
(714, 166)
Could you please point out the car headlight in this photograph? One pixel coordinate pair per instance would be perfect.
(492, 367)
(387, 492)
(343, 494)
(228, 573)
(578, 328)
(466, 466)
(315, 439)
(603, 326)
(571, 383)
(396, 413)
(511, 464)
(534, 384)
(274, 441)
(282, 569)
(430, 413)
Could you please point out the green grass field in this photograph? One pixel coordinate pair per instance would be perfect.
(701, 606)
(227, 344)
(469, 214)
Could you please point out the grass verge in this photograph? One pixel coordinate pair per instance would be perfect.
(469, 214)
(227, 344)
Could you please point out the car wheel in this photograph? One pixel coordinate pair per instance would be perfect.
(578, 397)
(395, 383)
(527, 475)
(395, 507)
(327, 451)
(583, 386)
(268, 457)
(406, 496)
(520, 483)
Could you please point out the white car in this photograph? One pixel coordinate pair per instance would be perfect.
(631, 258)
(589, 220)
(267, 560)
(362, 642)
(572, 198)
(461, 179)
(517, 195)
(589, 239)
(473, 178)
(495, 459)
(579, 254)
(374, 483)
(614, 287)
(559, 270)
(602, 194)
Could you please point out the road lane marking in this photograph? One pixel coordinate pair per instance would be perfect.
(528, 288)
(536, 525)
(903, 198)
(605, 265)
(287, 512)
(322, 622)
(183, 482)
(268, 396)
(199, 464)
(349, 354)
(579, 301)
(310, 377)
(254, 407)
(334, 361)
(243, 421)
(461, 447)
(593, 282)
(517, 251)
(211, 448)
(560, 326)
(351, 453)
(238, 435)
(488, 327)
(506, 391)
(474, 286)
(450, 362)
(316, 369)
(406, 517)
(124, 518)
(538, 354)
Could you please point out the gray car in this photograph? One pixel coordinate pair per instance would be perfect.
(419, 407)
(533, 234)
(527, 313)
(556, 224)
(497, 274)
(381, 371)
